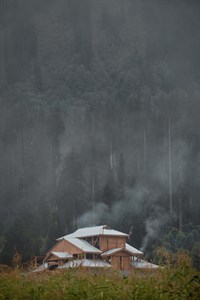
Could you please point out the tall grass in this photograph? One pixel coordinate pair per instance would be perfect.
(179, 282)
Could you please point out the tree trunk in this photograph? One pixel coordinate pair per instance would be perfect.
(170, 169)
(23, 164)
(145, 148)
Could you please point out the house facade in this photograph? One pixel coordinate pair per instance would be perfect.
(98, 246)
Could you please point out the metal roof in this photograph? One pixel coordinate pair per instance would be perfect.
(133, 250)
(111, 251)
(62, 255)
(91, 263)
(43, 267)
(83, 245)
(142, 264)
(127, 248)
(94, 231)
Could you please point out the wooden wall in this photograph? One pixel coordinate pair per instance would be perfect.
(65, 246)
(121, 261)
(110, 242)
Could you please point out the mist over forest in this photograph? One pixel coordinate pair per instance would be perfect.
(99, 122)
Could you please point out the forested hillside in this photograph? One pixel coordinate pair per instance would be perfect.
(99, 120)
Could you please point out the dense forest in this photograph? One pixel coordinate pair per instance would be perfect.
(99, 121)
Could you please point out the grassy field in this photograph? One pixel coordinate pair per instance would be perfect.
(182, 282)
(82, 284)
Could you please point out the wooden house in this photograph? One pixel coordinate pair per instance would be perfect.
(98, 246)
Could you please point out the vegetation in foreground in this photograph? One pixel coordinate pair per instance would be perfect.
(178, 282)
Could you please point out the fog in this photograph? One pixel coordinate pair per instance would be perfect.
(99, 119)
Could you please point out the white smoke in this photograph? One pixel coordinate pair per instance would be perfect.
(119, 211)
(93, 217)
(153, 226)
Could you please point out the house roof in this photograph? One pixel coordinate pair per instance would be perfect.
(128, 248)
(91, 263)
(62, 255)
(111, 251)
(83, 245)
(59, 255)
(94, 231)
(43, 267)
(133, 250)
(142, 264)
